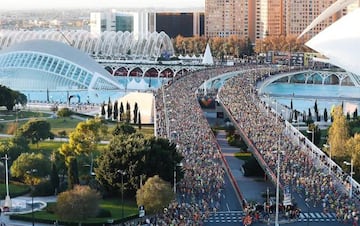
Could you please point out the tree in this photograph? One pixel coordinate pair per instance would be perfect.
(123, 128)
(73, 173)
(135, 111)
(355, 114)
(109, 109)
(127, 113)
(353, 145)
(9, 98)
(54, 178)
(137, 156)
(86, 136)
(316, 107)
(64, 112)
(116, 111)
(103, 112)
(78, 204)
(14, 147)
(35, 130)
(124, 152)
(325, 115)
(26, 162)
(338, 132)
(154, 195)
(161, 158)
(82, 141)
(121, 111)
(139, 121)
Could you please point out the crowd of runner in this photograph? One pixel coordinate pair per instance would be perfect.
(180, 118)
(298, 169)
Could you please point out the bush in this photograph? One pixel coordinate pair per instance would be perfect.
(64, 112)
(11, 128)
(44, 188)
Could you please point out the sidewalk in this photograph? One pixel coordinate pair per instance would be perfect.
(250, 187)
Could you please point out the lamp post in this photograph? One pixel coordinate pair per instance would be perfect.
(327, 146)
(122, 173)
(277, 189)
(312, 134)
(7, 198)
(32, 172)
(351, 175)
(175, 168)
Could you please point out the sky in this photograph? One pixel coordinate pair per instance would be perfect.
(72, 4)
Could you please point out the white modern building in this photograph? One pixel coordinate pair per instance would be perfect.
(138, 23)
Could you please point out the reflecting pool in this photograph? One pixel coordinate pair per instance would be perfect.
(303, 96)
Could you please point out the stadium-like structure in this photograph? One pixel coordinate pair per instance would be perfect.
(109, 45)
(47, 64)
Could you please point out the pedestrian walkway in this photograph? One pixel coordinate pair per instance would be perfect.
(251, 188)
(226, 217)
(317, 217)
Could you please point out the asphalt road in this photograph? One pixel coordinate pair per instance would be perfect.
(230, 212)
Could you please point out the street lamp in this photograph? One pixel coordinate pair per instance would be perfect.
(351, 175)
(122, 173)
(328, 147)
(312, 134)
(32, 172)
(175, 168)
(277, 189)
(7, 198)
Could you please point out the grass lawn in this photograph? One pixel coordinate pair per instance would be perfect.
(60, 124)
(112, 205)
(11, 115)
(14, 189)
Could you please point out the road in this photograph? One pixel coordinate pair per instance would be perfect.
(251, 189)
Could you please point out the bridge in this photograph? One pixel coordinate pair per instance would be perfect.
(148, 69)
(323, 77)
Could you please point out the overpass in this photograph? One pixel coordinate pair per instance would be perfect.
(148, 69)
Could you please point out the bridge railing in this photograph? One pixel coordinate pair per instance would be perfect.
(319, 156)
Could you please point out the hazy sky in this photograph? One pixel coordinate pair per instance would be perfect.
(56, 4)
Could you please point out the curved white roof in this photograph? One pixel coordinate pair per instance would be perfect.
(107, 45)
(340, 42)
(57, 49)
(39, 64)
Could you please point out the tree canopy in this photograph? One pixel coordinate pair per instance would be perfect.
(28, 162)
(155, 195)
(137, 156)
(78, 204)
(35, 130)
(338, 132)
(9, 98)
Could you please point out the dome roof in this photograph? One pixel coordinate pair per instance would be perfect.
(58, 49)
(42, 64)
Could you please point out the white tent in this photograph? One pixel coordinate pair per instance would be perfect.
(208, 59)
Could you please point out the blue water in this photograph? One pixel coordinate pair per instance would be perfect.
(293, 91)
